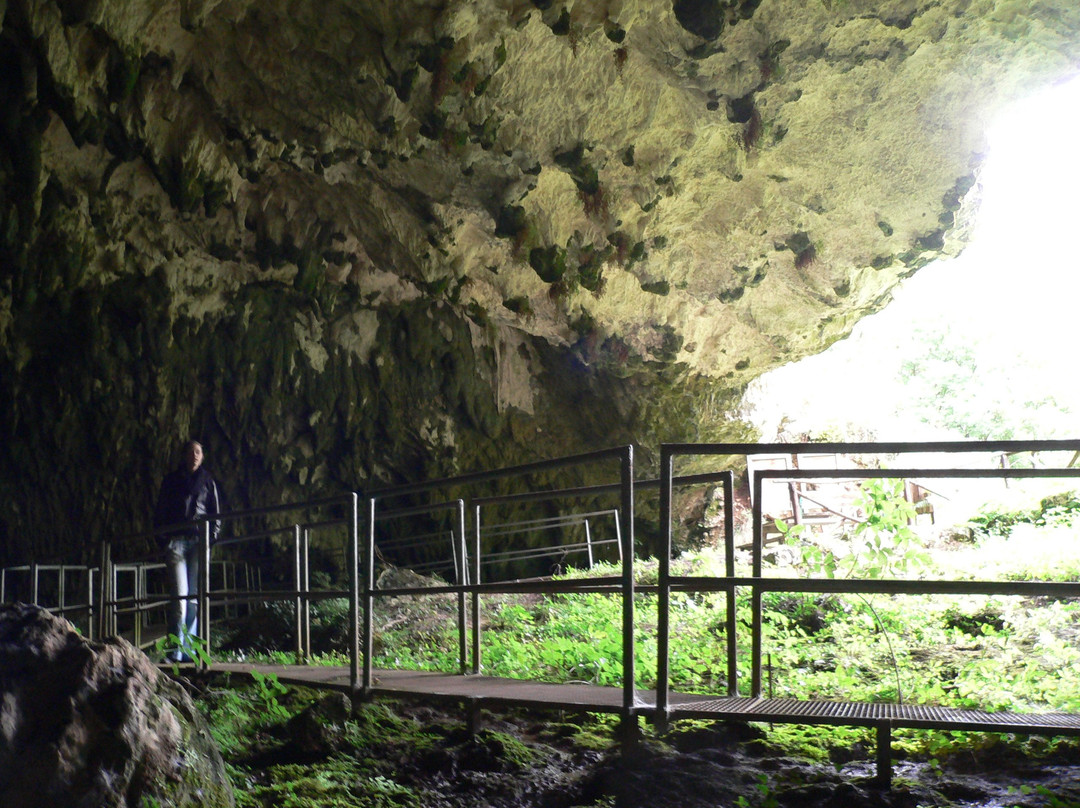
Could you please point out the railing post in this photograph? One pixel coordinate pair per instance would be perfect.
(136, 631)
(91, 613)
(34, 583)
(247, 588)
(729, 570)
(755, 595)
(104, 575)
(204, 593)
(476, 596)
(298, 600)
(114, 607)
(305, 553)
(353, 555)
(369, 597)
(459, 576)
(627, 490)
(663, 606)
(459, 551)
(588, 543)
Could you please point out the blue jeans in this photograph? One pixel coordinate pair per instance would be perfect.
(182, 560)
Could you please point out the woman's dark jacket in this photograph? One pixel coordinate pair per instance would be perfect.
(185, 497)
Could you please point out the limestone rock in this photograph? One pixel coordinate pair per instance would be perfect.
(96, 724)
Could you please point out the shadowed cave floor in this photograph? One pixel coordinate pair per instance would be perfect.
(325, 752)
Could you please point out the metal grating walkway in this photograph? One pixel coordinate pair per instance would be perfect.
(521, 692)
(869, 714)
(485, 690)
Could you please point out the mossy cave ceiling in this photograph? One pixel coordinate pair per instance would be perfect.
(352, 243)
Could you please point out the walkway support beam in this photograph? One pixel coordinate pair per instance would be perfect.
(884, 754)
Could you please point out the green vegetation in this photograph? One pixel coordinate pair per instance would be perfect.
(289, 746)
(882, 545)
(317, 749)
(1057, 510)
(264, 749)
(950, 387)
(976, 652)
(968, 651)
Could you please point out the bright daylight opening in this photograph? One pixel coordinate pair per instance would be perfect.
(980, 347)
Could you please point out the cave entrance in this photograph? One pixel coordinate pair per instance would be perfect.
(978, 347)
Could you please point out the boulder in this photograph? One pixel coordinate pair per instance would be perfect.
(96, 723)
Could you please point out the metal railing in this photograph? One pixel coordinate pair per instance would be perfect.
(456, 508)
(380, 513)
(445, 495)
(562, 550)
(758, 583)
(394, 519)
(110, 604)
(53, 594)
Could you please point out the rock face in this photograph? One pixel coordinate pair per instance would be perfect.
(95, 724)
(350, 243)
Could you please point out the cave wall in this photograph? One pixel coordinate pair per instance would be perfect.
(353, 243)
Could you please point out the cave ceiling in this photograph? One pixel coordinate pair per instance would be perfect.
(354, 241)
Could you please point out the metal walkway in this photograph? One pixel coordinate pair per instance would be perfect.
(483, 690)
(494, 690)
(476, 692)
(458, 518)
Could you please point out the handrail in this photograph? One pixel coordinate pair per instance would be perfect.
(883, 448)
(471, 566)
(62, 570)
(468, 557)
(108, 604)
(229, 516)
(545, 522)
(758, 584)
(488, 476)
(561, 549)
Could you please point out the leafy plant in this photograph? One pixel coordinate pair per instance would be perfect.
(882, 544)
(952, 384)
(268, 689)
(764, 789)
(339, 782)
(192, 646)
(1052, 800)
(888, 544)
